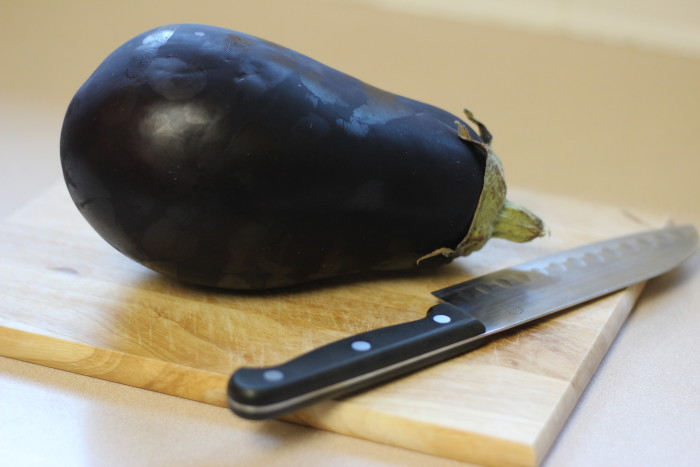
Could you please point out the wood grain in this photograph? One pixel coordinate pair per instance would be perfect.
(72, 302)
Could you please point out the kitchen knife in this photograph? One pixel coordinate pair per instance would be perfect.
(469, 312)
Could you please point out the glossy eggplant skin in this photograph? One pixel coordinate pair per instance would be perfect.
(225, 160)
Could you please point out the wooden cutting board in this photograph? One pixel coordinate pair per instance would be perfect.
(72, 302)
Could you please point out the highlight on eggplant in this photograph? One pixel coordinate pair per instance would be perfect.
(222, 159)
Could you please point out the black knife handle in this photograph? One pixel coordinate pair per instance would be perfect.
(354, 363)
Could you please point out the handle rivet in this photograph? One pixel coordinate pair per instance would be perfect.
(273, 375)
(361, 346)
(442, 319)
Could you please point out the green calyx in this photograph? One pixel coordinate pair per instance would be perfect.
(495, 216)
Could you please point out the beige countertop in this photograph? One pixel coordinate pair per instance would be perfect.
(610, 124)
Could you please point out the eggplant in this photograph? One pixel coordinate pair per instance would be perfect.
(225, 160)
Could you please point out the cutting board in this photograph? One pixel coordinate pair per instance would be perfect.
(70, 301)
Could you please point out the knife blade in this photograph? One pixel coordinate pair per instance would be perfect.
(469, 312)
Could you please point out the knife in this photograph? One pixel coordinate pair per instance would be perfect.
(469, 312)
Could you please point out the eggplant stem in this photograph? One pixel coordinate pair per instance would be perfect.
(494, 216)
(517, 224)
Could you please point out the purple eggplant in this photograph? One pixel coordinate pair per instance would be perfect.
(225, 160)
